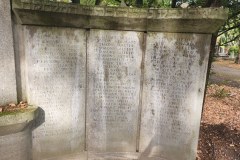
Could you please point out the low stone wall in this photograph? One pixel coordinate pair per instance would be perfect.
(113, 83)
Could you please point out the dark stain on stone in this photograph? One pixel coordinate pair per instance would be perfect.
(126, 71)
(32, 31)
(201, 60)
(185, 54)
(106, 74)
(153, 112)
(199, 90)
(164, 56)
(76, 39)
(142, 43)
(201, 43)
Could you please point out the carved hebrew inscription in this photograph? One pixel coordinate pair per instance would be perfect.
(56, 69)
(114, 60)
(174, 79)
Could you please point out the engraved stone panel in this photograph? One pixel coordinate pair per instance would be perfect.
(56, 73)
(174, 81)
(114, 72)
(8, 91)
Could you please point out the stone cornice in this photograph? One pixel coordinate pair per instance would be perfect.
(192, 20)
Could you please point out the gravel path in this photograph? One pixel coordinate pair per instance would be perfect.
(225, 75)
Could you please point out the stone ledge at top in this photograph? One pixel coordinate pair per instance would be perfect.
(17, 121)
(192, 20)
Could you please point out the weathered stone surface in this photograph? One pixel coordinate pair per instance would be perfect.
(17, 122)
(16, 146)
(114, 72)
(174, 82)
(113, 156)
(55, 73)
(194, 20)
(8, 91)
(77, 156)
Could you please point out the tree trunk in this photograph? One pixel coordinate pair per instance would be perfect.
(76, 1)
(237, 61)
(173, 5)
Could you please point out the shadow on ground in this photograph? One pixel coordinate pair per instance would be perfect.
(225, 74)
(223, 80)
(218, 142)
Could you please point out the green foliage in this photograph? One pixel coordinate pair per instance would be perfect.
(221, 93)
(157, 3)
(234, 49)
(87, 2)
(65, 1)
(230, 32)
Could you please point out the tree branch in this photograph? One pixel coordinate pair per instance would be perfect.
(238, 36)
(228, 29)
(232, 16)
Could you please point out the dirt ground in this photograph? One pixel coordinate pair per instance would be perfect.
(227, 63)
(220, 126)
(225, 72)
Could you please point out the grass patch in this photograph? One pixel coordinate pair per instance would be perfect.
(221, 93)
(16, 112)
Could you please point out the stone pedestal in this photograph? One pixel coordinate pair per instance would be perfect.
(16, 134)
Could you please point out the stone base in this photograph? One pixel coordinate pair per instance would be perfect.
(113, 156)
(16, 146)
(78, 156)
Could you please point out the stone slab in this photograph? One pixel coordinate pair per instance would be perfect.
(114, 73)
(16, 146)
(8, 93)
(175, 70)
(55, 60)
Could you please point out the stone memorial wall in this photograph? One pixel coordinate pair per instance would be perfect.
(56, 78)
(112, 83)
